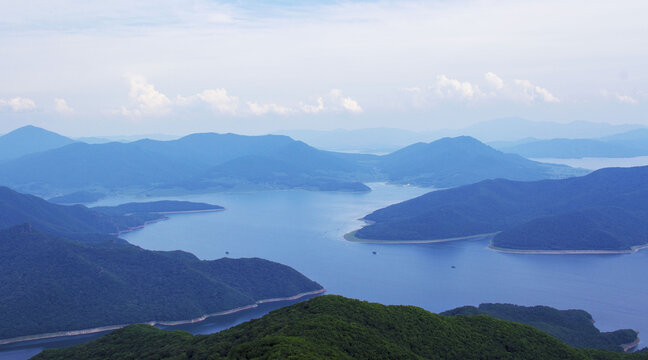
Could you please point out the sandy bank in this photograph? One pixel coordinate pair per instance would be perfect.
(167, 323)
(352, 237)
(568, 252)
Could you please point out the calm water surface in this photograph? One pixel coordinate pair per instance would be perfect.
(305, 230)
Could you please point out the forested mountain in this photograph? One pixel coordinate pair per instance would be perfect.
(333, 327)
(462, 160)
(573, 327)
(71, 221)
(604, 210)
(50, 284)
(216, 162)
(29, 139)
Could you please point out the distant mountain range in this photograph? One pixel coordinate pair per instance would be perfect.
(386, 140)
(573, 327)
(333, 327)
(217, 162)
(628, 144)
(64, 269)
(605, 210)
(28, 140)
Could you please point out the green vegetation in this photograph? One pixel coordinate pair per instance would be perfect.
(604, 210)
(333, 327)
(50, 284)
(76, 222)
(573, 327)
(163, 206)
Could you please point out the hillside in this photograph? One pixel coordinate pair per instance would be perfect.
(29, 139)
(222, 162)
(528, 214)
(462, 160)
(330, 327)
(50, 284)
(198, 162)
(573, 327)
(156, 207)
(75, 221)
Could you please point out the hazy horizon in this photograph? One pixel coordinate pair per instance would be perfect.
(260, 67)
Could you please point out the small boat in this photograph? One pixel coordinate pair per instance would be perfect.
(373, 252)
(453, 267)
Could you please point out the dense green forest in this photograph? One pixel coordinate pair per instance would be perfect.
(573, 327)
(333, 327)
(51, 284)
(77, 222)
(600, 211)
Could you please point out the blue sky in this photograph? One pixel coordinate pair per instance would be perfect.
(171, 66)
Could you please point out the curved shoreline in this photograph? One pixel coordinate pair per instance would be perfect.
(633, 249)
(351, 237)
(133, 228)
(153, 323)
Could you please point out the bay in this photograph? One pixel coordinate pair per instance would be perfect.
(305, 230)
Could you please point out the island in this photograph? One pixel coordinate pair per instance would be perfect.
(602, 212)
(573, 327)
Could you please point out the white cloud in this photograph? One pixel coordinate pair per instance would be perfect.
(219, 100)
(148, 100)
(626, 99)
(313, 109)
(494, 80)
(351, 105)
(532, 92)
(448, 88)
(18, 104)
(339, 102)
(262, 109)
(61, 106)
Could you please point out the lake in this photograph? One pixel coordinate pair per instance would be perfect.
(305, 230)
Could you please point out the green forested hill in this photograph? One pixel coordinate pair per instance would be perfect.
(574, 327)
(75, 221)
(50, 284)
(333, 327)
(604, 210)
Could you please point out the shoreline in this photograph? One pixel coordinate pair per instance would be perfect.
(138, 227)
(632, 250)
(627, 347)
(352, 238)
(153, 323)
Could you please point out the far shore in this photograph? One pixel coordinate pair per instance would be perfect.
(353, 238)
(634, 249)
(153, 323)
(130, 229)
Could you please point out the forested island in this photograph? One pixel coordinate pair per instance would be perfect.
(573, 327)
(330, 326)
(603, 212)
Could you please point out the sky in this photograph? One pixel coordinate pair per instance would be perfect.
(87, 68)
